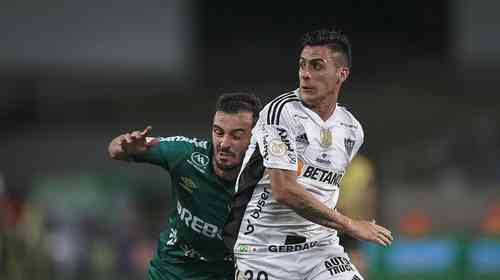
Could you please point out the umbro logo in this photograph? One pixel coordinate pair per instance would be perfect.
(187, 184)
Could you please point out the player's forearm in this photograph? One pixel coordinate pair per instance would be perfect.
(302, 202)
(286, 190)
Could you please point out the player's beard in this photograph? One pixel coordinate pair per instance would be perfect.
(226, 166)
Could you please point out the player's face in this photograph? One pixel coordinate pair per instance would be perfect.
(230, 135)
(320, 75)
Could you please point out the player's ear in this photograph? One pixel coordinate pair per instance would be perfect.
(343, 73)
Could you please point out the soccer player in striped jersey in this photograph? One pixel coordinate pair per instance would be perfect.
(203, 174)
(283, 223)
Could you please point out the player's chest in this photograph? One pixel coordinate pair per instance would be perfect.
(200, 185)
(325, 147)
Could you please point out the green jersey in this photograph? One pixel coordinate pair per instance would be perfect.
(194, 231)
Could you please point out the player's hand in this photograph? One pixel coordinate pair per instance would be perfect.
(134, 142)
(369, 231)
(128, 144)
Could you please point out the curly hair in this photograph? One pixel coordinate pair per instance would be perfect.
(236, 102)
(336, 40)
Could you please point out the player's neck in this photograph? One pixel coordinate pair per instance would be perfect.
(325, 108)
(326, 111)
(229, 176)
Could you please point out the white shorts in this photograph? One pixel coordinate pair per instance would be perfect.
(317, 263)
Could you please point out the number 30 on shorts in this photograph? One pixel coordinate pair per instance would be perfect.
(250, 275)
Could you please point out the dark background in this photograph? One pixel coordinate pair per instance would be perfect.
(423, 84)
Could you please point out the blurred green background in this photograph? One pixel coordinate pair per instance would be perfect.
(91, 227)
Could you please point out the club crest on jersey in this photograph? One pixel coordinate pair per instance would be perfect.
(349, 144)
(199, 161)
(325, 137)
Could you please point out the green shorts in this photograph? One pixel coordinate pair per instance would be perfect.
(170, 263)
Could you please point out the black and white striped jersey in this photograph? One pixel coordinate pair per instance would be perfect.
(290, 136)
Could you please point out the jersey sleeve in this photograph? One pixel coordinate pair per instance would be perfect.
(360, 136)
(276, 140)
(165, 151)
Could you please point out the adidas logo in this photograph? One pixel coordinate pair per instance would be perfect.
(302, 139)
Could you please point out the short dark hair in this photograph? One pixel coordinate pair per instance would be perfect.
(236, 102)
(336, 40)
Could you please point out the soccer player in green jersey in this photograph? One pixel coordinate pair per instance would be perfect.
(203, 175)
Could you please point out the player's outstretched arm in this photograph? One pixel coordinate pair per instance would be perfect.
(128, 144)
(286, 190)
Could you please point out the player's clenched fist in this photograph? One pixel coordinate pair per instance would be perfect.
(128, 144)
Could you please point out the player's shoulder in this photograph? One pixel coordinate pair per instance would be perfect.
(347, 119)
(184, 141)
(276, 109)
